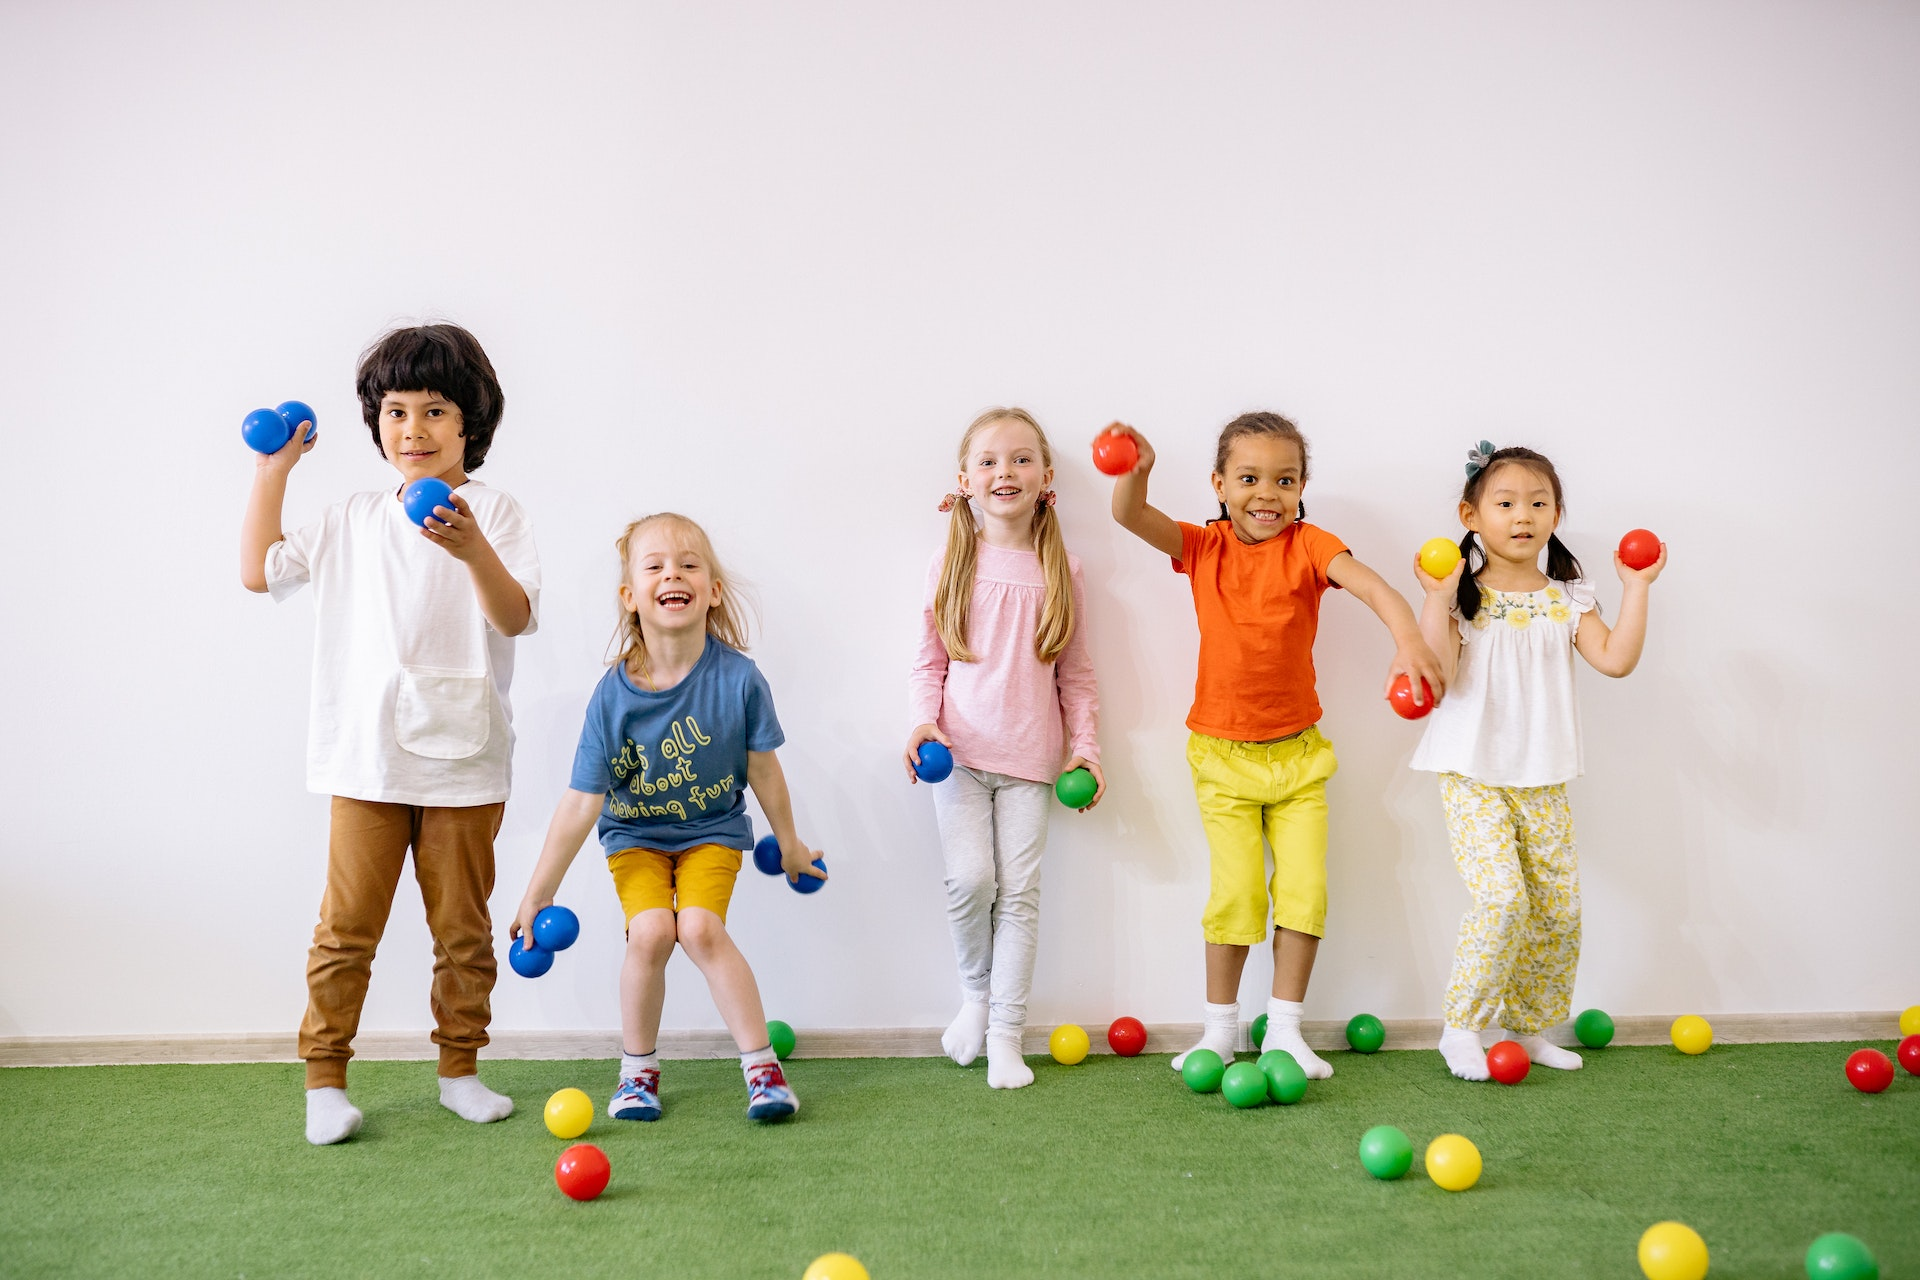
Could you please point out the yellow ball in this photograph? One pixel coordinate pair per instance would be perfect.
(1452, 1162)
(1438, 556)
(836, 1266)
(1910, 1021)
(569, 1113)
(1673, 1251)
(1068, 1044)
(1691, 1034)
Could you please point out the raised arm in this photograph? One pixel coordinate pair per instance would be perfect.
(260, 527)
(1437, 625)
(573, 820)
(1616, 651)
(1411, 655)
(1130, 508)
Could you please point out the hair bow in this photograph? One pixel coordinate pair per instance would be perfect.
(1478, 458)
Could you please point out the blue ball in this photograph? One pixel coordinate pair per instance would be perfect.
(809, 884)
(936, 762)
(528, 962)
(555, 928)
(766, 855)
(265, 431)
(422, 496)
(296, 412)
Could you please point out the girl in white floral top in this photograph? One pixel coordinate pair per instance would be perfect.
(1506, 741)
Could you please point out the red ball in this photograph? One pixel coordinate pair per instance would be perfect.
(582, 1171)
(1115, 453)
(1869, 1070)
(1640, 548)
(1508, 1063)
(1400, 698)
(1909, 1054)
(1127, 1036)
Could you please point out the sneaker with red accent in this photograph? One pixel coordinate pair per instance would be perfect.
(637, 1098)
(769, 1097)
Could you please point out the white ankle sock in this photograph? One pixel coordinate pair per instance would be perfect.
(632, 1064)
(330, 1117)
(1283, 1032)
(1546, 1053)
(467, 1098)
(967, 1033)
(756, 1058)
(1465, 1058)
(1006, 1069)
(1219, 1033)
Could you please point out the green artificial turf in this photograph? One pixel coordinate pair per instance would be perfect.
(917, 1168)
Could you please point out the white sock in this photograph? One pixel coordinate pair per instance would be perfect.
(467, 1098)
(756, 1058)
(632, 1064)
(1544, 1052)
(967, 1033)
(1465, 1058)
(1221, 1030)
(330, 1117)
(1283, 1032)
(1006, 1069)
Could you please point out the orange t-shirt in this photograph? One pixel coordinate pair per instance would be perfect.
(1259, 607)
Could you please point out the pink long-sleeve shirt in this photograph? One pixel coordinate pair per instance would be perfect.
(1008, 712)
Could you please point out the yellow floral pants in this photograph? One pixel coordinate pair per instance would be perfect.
(1520, 944)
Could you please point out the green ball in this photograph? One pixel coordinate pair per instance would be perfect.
(1259, 1031)
(1202, 1070)
(1365, 1033)
(1838, 1256)
(1385, 1152)
(780, 1036)
(1075, 788)
(1594, 1029)
(1286, 1082)
(1244, 1085)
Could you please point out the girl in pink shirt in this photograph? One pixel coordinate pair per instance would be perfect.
(1003, 681)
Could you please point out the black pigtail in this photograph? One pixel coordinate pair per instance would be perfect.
(1467, 595)
(1561, 564)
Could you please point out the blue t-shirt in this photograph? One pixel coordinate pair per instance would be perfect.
(673, 764)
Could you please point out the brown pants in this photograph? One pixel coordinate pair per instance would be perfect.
(453, 861)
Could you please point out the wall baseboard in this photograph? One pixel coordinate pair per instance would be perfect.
(862, 1042)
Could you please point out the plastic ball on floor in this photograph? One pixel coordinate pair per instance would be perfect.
(420, 498)
(1202, 1070)
(781, 1037)
(835, 1266)
(1508, 1063)
(1453, 1162)
(766, 855)
(936, 762)
(1286, 1081)
(569, 1113)
(1258, 1032)
(1640, 548)
(1672, 1251)
(1400, 698)
(1438, 556)
(1691, 1034)
(1909, 1054)
(1910, 1020)
(1365, 1033)
(1115, 453)
(1869, 1070)
(1244, 1085)
(555, 929)
(1068, 1044)
(1594, 1029)
(528, 962)
(1386, 1152)
(1076, 788)
(582, 1171)
(1127, 1036)
(1839, 1256)
(804, 883)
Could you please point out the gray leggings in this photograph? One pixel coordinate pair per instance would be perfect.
(993, 829)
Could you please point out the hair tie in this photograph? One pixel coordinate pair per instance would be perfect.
(1479, 457)
(1048, 497)
(946, 503)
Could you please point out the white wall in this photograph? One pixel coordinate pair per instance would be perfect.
(761, 263)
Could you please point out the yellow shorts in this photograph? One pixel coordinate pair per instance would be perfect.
(702, 876)
(1278, 790)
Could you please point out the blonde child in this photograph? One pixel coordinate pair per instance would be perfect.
(1507, 740)
(676, 731)
(1003, 680)
(1260, 763)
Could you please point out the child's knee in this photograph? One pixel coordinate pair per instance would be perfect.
(701, 932)
(652, 934)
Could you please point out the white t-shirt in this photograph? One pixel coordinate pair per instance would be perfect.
(409, 680)
(1510, 718)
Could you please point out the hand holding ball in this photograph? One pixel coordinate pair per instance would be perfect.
(1115, 453)
(268, 430)
(1076, 788)
(1640, 548)
(420, 498)
(1400, 698)
(1438, 556)
(528, 961)
(555, 929)
(936, 762)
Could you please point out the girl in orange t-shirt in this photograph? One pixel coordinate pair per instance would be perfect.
(1260, 763)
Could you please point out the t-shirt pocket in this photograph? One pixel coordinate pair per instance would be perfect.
(442, 714)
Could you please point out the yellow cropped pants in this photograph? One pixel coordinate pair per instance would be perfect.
(1275, 790)
(1520, 944)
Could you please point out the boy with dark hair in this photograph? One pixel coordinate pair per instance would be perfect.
(411, 731)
